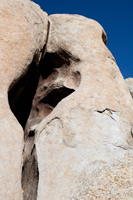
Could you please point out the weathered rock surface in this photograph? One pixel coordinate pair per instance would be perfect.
(82, 116)
(129, 82)
(72, 103)
(23, 30)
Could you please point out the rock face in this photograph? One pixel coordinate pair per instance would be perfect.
(72, 102)
(129, 82)
(90, 130)
(23, 30)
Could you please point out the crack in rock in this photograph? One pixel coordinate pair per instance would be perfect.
(109, 112)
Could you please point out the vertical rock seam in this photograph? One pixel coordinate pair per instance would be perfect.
(30, 172)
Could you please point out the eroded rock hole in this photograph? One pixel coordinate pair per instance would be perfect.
(55, 71)
(56, 95)
(31, 133)
(53, 61)
(33, 98)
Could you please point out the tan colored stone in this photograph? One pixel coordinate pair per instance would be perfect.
(90, 125)
(79, 131)
(23, 29)
(129, 82)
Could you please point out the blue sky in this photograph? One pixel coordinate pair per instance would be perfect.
(116, 17)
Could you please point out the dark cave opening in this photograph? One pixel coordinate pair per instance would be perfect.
(22, 93)
(56, 95)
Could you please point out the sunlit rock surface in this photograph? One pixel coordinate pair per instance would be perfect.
(23, 30)
(129, 82)
(70, 137)
(83, 142)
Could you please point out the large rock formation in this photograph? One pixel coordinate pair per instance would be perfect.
(23, 30)
(90, 130)
(72, 102)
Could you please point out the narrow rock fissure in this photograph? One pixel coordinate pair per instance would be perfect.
(106, 109)
(30, 174)
(30, 171)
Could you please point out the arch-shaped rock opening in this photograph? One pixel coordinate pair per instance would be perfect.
(56, 95)
(33, 98)
(55, 70)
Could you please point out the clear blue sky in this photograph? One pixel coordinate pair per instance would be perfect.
(116, 17)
